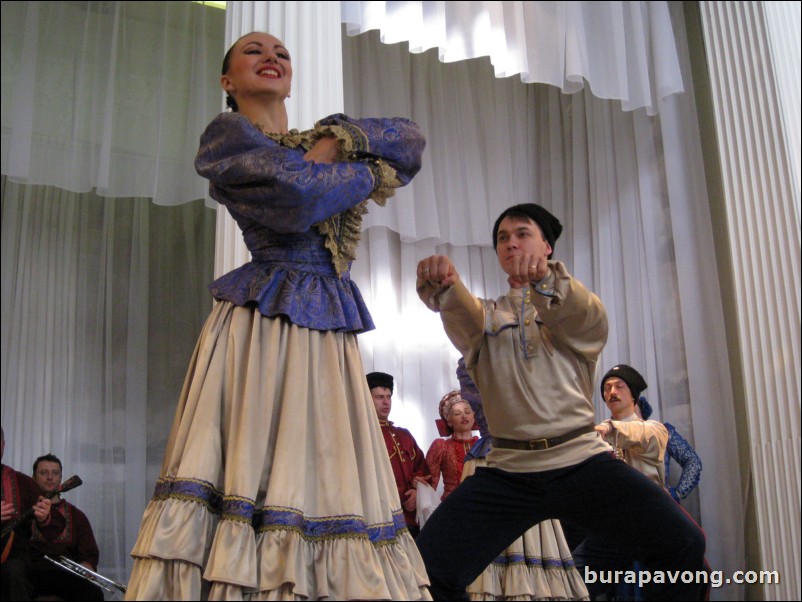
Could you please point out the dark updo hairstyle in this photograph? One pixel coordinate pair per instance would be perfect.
(230, 102)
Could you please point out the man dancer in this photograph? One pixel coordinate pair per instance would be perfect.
(532, 353)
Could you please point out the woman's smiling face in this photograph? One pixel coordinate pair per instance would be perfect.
(259, 66)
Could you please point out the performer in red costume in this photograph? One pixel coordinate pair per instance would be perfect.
(76, 542)
(406, 458)
(447, 456)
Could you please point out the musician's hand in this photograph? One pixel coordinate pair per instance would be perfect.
(88, 565)
(7, 511)
(42, 510)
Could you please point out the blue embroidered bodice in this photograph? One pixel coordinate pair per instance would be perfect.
(299, 219)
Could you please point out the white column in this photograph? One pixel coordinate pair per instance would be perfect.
(764, 234)
(783, 23)
(311, 32)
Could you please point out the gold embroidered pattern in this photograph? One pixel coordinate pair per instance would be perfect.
(291, 139)
(343, 231)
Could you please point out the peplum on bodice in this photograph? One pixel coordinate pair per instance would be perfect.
(292, 275)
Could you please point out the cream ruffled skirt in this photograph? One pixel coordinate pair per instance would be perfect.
(276, 483)
(537, 566)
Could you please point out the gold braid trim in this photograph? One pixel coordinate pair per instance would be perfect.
(342, 233)
(344, 230)
(341, 134)
(291, 139)
(387, 183)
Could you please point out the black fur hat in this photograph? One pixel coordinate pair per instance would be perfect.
(629, 375)
(380, 379)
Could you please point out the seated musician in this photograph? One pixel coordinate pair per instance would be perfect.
(76, 542)
(20, 496)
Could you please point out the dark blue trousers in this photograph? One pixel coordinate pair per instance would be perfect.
(602, 496)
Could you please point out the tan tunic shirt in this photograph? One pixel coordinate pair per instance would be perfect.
(533, 357)
(643, 443)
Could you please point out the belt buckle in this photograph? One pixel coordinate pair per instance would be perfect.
(538, 444)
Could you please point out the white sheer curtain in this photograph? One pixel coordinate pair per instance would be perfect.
(625, 50)
(102, 302)
(102, 297)
(643, 58)
(109, 96)
(631, 193)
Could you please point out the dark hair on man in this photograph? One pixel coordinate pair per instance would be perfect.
(46, 458)
(550, 226)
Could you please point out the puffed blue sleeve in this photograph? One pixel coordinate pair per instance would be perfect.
(682, 451)
(396, 141)
(273, 185)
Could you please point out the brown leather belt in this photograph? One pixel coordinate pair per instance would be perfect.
(541, 444)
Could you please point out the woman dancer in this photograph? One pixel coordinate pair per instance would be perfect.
(447, 456)
(275, 482)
